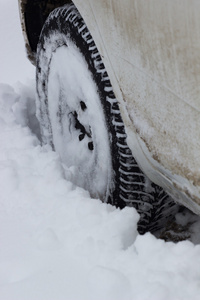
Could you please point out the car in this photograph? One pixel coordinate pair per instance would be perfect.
(118, 86)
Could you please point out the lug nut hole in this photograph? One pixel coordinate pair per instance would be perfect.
(90, 146)
(81, 136)
(83, 106)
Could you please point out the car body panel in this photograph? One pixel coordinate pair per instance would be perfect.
(151, 53)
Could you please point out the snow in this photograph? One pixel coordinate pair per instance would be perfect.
(56, 241)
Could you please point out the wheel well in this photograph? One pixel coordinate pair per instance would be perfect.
(34, 14)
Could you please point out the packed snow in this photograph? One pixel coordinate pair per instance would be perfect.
(56, 242)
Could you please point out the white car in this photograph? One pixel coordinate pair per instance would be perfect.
(118, 97)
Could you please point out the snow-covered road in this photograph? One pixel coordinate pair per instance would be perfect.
(55, 241)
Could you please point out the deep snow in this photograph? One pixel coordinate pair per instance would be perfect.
(55, 241)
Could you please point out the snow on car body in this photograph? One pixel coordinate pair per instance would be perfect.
(151, 54)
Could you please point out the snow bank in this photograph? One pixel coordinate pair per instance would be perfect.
(58, 243)
(14, 66)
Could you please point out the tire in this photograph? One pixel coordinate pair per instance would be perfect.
(80, 118)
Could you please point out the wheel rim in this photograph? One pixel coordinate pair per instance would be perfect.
(78, 123)
(108, 170)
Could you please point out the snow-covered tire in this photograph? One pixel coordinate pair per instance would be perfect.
(79, 116)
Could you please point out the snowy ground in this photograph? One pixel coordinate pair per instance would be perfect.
(55, 241)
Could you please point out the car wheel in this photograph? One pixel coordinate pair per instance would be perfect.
(80, 117)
